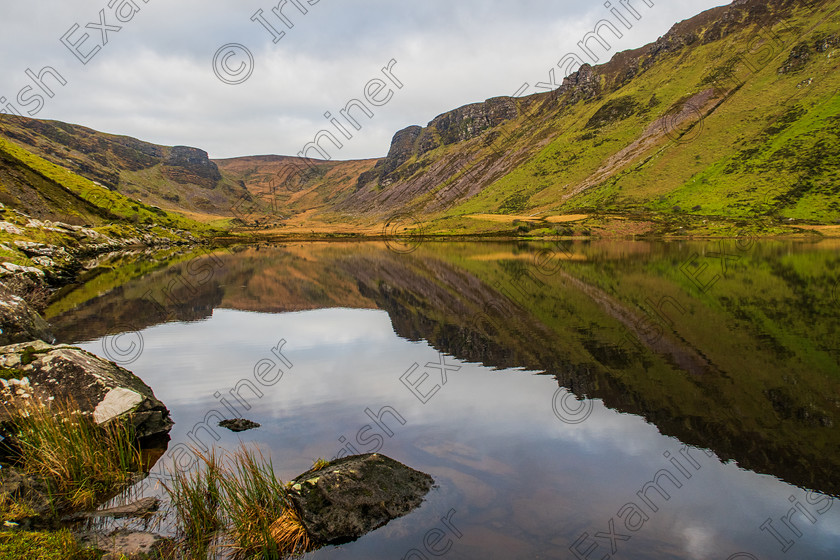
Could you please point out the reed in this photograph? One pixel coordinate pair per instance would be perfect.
(196, 499)
(240, 501)
(81, 461)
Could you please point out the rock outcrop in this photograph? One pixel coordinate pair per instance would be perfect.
(470, 121)
(187, 165)
(40, 371)
(459, 125)
(239, 425)
(355, 495)
(19, 322)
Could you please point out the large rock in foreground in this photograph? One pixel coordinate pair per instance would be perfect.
(19, 322)
(355, 495)
(67, 374)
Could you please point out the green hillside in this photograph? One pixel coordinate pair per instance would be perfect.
(729, 119)
(733, 114)
(51, 218)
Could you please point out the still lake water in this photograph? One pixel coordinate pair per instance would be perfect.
(623, 399)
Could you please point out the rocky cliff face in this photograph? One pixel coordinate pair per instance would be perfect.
(470, 121)
(460, 125)
(187, 165)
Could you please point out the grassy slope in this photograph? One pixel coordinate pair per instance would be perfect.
(131, 167)
(111, 206)
(700, 172)
(46, 191)
(766, 151)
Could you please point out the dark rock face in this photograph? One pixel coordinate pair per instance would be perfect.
(460, 125)
(187, 165)
(238, 425)
(355, 495)
(96, 386)
(580, 86)
(402, 148)
(19, 322)
(470, 121)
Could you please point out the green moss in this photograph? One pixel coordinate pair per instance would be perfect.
(29, 355)
(59, 545)
(11, 373)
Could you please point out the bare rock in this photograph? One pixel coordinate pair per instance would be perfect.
(238, 425)
(19, 322)
(98, 387)
(126, 543)
(355, 495)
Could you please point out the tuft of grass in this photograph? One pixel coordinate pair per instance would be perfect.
(82, 461)
(319, 464)
(241, 498)
(259, 510)
(289, 530)
(196, 500)
(12, 510)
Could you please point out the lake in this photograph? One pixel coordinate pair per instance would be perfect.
(573, 399)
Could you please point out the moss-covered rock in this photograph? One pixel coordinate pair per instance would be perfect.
(355, 495)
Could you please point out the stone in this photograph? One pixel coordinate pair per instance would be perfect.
(355, 495)
(140, 508)
(19, 322)
(117, 402)
(127, 543)
(10, 228)
(44, 261)
(238, 425)
(19, 269)
(96, 386)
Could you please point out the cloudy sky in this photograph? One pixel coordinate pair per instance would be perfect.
(154, 79)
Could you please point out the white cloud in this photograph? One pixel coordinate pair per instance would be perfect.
(153, 79)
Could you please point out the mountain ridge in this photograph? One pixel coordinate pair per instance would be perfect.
(634, 136)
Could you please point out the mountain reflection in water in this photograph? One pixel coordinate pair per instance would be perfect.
(667, 344)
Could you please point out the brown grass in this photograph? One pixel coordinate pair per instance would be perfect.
(83, 461)
(289, 529)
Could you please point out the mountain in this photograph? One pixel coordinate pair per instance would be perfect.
(732, 118)
(176, 178)
(733, 113)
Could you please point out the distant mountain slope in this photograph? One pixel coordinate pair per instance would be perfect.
(46, 191)
(282, 186)
(732, 114)
(176, 178)
(54, 224)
